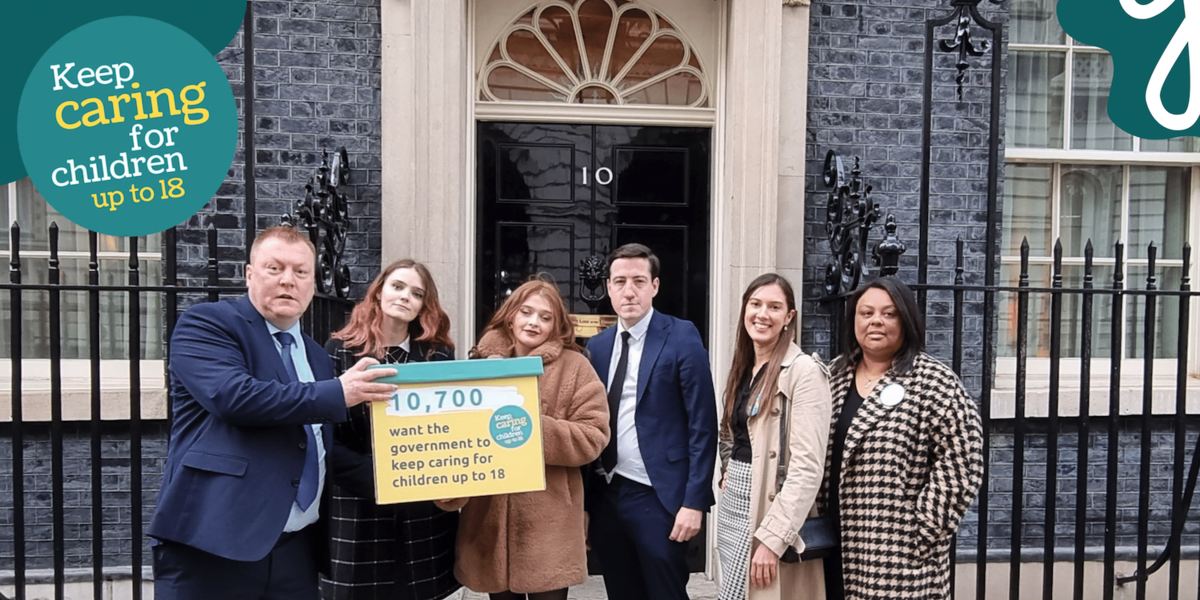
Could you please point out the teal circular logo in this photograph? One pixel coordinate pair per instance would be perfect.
(127, 126)
(511, 426)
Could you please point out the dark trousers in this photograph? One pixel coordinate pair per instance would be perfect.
(835, 585)
(289, 572)
(630, 532)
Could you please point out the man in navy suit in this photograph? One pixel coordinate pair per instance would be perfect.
(653, 483)
(238, 513)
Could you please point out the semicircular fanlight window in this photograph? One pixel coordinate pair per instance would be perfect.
(593, 52)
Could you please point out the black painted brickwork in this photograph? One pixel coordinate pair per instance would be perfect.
(316, 76)
(866, 78)
(118, 507)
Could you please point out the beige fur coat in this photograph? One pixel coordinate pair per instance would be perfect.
(534, 542)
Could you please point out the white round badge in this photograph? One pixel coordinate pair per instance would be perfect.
(892, 395)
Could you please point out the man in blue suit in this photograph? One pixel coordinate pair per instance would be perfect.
(239, 509)
(653, 483)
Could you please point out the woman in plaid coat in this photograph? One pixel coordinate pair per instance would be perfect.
(905, 454)
(394, 551)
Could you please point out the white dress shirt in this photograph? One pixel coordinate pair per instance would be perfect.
(629, 456)
(299, 519)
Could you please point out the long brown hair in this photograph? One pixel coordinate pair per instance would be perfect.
(561, 330)
(743, 350)
(364, 332)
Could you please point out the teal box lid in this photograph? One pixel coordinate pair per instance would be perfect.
(463, 370)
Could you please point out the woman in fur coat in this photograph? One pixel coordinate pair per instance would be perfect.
(905, 453)
(531, 545)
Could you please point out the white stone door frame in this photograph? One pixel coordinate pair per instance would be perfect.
(428, 117)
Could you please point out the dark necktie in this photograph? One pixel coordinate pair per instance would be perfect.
(608, 458)
(307, 491)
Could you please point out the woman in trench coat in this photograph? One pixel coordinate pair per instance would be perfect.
(905, 454)
(768, 484)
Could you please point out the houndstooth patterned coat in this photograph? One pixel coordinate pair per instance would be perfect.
(909, 472)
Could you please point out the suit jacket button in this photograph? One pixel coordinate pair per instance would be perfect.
(771, 454)
(303, 445)
(770, 497)
(296, 483)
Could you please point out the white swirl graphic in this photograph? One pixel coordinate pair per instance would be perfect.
(1187, 35)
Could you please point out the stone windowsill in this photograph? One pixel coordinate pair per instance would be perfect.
(77, 390)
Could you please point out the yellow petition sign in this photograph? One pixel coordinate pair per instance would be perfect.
(459, 428)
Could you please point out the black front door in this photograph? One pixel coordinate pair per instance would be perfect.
(552, 196)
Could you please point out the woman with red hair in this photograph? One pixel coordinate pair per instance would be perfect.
(395, 551)
(532, 545)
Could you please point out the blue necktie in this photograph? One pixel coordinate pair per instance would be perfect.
(307, 491)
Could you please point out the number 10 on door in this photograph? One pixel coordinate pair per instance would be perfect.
(604, 176)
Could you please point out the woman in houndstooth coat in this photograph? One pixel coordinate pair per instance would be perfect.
(905, 454)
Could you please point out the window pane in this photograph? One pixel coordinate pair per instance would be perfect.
(1035, 99)
(1038, 331)
(1090, 208)
(1072, 312)
(1158, 210)
(114, 311)
(1034, 22)
(1179, 144)
(1027, 209)
(1091, 128)
(1041, 313)
(35, 215)
(509, 84)
(1166, 322)
(525, 49)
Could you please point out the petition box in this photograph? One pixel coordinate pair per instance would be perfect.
(459, 428)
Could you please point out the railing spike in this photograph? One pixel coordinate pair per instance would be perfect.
(1119, 266)
(1058, 256)
(1088, 254)
(1151, 259)
(1024, 279)
(14, 245)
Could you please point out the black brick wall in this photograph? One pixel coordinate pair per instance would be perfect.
(866, 81)
(116, 474)
(316, 87)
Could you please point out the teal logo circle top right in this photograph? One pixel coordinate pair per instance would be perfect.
(1155, 47)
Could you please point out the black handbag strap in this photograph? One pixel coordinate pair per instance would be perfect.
(785, 426)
